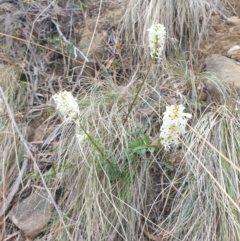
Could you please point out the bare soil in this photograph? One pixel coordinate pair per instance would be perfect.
(222, 35)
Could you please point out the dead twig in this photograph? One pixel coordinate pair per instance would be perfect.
(114, 233)
(14, 188)
(75, 49)
(28, 151)
(9, 237)
(153, 237)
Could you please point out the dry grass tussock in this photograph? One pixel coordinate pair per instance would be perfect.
(186, 23)
(115, 183)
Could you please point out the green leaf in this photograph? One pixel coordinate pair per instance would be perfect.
(140, 146)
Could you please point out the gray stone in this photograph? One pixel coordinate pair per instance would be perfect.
(32, 214)
(225, 68)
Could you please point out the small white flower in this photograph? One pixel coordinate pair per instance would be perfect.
(81, 137)
(157, 34)
(174, 124)
(67, 105)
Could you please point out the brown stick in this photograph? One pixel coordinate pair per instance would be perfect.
(14, 188)
(114, 233)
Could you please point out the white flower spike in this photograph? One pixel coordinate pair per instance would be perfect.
(174, 124)
(67, 105)
(157, 35)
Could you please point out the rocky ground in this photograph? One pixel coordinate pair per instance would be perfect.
(219, 53)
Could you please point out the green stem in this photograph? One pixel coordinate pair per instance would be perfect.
(140, 88)
(96, 146)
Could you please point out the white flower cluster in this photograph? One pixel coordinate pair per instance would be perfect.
(174, 124)
(81, 136)
(157, 34)
(67, 105)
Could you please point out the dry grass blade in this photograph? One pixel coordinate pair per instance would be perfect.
(29, 153)
(185, 21)
(107, 173)
(209, 200)
(14, 188)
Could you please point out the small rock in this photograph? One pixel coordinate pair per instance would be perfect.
(32, 214)
(227, 70)
(234, 20)
(235, 30)
(215, 20)
(234, 53)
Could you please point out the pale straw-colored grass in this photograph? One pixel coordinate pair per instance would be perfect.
(186, 23)
(105, 190)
